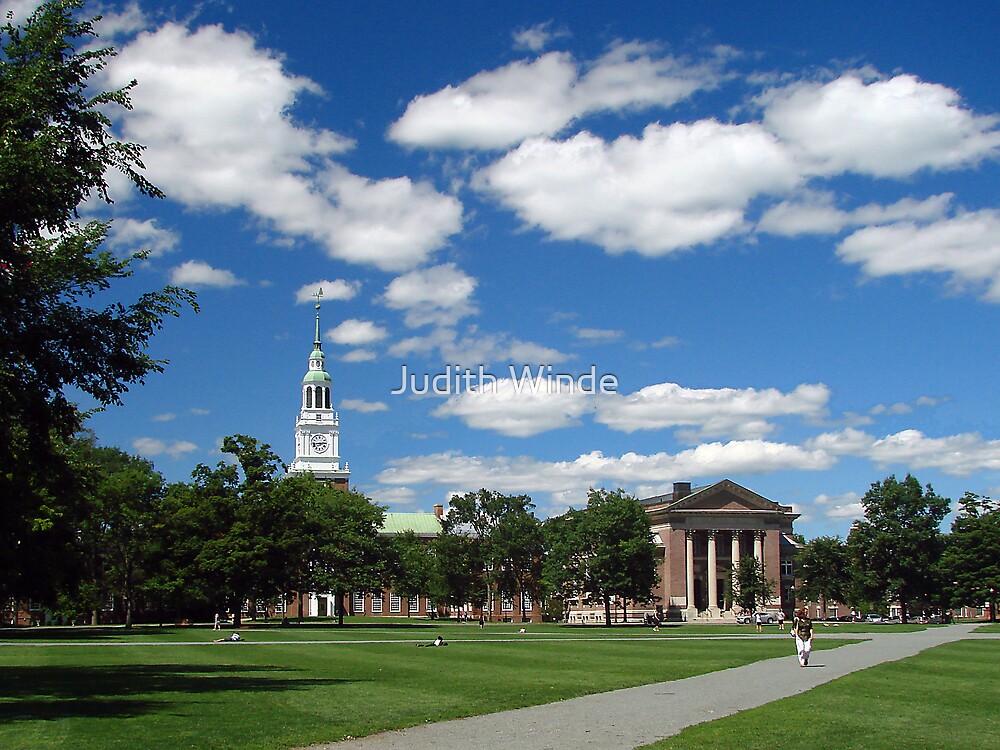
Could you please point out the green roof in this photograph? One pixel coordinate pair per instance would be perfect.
(317, 376)
(421, 524)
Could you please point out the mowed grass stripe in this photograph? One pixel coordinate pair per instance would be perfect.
(293, 694)
(945, 697)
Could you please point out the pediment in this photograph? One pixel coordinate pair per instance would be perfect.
(725, 496)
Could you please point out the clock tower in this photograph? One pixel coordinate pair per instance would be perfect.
(317, 428)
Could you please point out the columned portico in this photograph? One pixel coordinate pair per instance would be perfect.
(703, 521)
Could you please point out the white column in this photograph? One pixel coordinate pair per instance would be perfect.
(692, 610)
(758, 546)
(713, 586)
(735, 554)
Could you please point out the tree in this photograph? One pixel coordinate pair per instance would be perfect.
(621, 556)
(346, 552)
(897, 547)
(459, 569)
(122, 495)
(972, 553)
(56, 149)
(511, 536)
(232, 534)
(565, 560)
(823, 566)
(410, 566)
(751, 587)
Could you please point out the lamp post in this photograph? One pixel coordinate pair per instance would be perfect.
(993, 606)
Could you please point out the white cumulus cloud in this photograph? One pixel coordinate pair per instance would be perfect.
(337, 289)
(355, 332)
(966, 247)
(440, 295)
(196, 273)
(499, 108)
(888, 127)
(674, 187)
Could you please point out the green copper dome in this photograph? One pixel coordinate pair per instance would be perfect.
(317, 376)
(317, 354)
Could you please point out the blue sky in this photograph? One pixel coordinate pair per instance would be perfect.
(779, 231)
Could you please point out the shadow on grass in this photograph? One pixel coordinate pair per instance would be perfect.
(44, 693)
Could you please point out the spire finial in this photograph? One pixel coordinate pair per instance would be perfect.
(318, 294)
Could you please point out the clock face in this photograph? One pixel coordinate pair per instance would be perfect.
(320, 443)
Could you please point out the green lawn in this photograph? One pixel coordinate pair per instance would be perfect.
(173, 688)
(946, 697)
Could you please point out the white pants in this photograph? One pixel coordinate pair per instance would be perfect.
(804, 648)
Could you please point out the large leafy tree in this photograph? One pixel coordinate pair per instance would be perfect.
(56, 150)
(410, 565)
(122, 492)
(564, 565)
(346, 552)
(896, 548)
(510, 535)
(824, 569)
(458, 572)
(232, 534)
(751, 587)
(621, 556)
(972, 553)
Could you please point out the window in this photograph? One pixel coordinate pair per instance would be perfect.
(309, 397)
(786, 568)
(246, 606)
(831, 613)
(327, 392)
(526, 601)
(414, 604)
(395, 603)
(377, 603)
(280, 606)
(359, 602)
(506, 603)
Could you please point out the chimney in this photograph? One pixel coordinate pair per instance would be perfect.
(439, 510)
(681, 489)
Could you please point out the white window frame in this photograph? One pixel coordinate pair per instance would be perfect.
(506, 603)
(414, 604)
(358, 602)
(395, 603)
(377, 599)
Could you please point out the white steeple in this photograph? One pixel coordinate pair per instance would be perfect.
(317, 428)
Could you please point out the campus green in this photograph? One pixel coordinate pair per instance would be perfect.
(286, 688)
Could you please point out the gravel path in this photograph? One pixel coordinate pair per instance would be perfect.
(638, 716)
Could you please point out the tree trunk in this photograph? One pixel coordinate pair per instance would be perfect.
(607, 611)
(340, 608)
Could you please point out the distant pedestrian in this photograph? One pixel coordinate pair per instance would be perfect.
(802, 629)
(482, 621)
(758, 620)
(781, 619)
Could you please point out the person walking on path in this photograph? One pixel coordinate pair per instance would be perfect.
(802, 629)
(758, 620)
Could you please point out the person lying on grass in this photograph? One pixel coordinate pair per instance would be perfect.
(234, 637)
(439, 641)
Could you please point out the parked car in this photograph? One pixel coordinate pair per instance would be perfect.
(766, 617)
(873, 617)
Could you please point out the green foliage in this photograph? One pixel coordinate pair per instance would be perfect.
(410, 565)
(56, 148)
(458, 575)
(751, 587)
(897, 548)
(564, 564)
(510, 535)
(971, 557)
(602, 553)
(824, 568)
